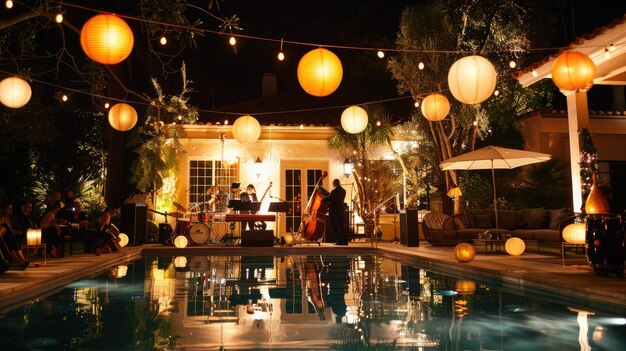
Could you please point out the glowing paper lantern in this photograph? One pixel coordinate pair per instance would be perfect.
(180, 262)
(320, 72)
(472, 79)
(106, 39)
(515, 246)
(33, 237)
(435, 107)
(354, 120)
(464, 252)
(15, 92)
(122, 117)
(123, 239)
(181, 241)
(246, 130)
(575, 233)
(573, 71)
(465, 287)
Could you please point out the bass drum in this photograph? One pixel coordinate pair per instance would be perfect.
(199, 233)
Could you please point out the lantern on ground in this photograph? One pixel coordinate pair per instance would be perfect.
(464, 252)
(575, 233)
(472, 79)
(123, 239)
(15, 92)
(181, 241)
(33, 237)
(106, 39)
(180, 262)
(320, 72)
(246, 129)
(122, 117)
(435, 107)
(573, 71)
(515, 246)
(354, 119)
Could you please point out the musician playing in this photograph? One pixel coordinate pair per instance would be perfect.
(209, 200)
(249, 195)
(336, 212)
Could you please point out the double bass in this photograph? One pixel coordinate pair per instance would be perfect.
(313, 222)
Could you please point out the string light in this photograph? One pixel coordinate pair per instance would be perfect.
(163, 40)
(416, 104)
(378, 123)
(607, 53)
(59, 18)
(281, 55)
(180, 118)
(611, 47)
(232, 41)
(496, 93)
(64, 98)
(534, 73)
(225, 122)
(380, 54)
(106, 105)
(475, 123)
(9, 4)
(512, 64)
(302, 126)
(420, 66)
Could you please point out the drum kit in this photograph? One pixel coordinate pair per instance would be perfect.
(198, 227)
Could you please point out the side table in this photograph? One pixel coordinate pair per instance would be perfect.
(565, 245)
(31, 251)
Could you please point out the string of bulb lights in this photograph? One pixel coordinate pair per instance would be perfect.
(471, 79)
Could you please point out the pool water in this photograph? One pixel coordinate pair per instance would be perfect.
(354, 302)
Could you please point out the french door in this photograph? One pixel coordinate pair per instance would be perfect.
(298, 183)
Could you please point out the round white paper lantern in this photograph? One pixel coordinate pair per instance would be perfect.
(354, 120)
(320, 72)
(181, 241)
(106, 39)
(15, 92)
(123, 239)
(246, 130)
(122, 117)
(515, 246)
(435, 107)
(472, 79)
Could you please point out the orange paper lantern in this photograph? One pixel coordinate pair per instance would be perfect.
(435, 107)
(122, 117)
(320, 72)
(573, 71)
(106, 39)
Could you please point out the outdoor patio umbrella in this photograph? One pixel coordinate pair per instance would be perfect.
(493, 157)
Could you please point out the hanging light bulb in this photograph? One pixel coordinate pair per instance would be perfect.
(225, 122)
(163, 40)
(9, 4)
(281, 56)
(420, 65)
(496, 93)
(180, 118)
(106, 105)
(378, 123)
(611, 47)
(58, 18)
(416, 104)
(512, 64)
(380, 54)
(232, 41)
(302, 126)
(607, 53)
(534, 73)
(64, 98)
(475, 123)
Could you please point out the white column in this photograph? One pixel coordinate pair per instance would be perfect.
(577, 119)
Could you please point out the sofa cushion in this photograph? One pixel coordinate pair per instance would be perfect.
(483, 221)
(507, 219)
(545, 235)
(525, 216)
(538, 220)
(472, 221)
(555, 218)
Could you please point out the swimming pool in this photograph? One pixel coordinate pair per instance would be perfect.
(354, 302)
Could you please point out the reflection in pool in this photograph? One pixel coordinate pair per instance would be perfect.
(298, 302)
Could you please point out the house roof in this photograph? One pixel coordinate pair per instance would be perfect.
(611, 71)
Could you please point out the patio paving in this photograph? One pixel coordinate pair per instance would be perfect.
(532, 273)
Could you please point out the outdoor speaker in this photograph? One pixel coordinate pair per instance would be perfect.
(257, 238)
(133, 222)
(409, 230)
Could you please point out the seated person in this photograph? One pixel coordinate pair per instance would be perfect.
(10, 235)
(106, 240)
(51, 232)
(10, 251)
(78, 228)
(23, 219)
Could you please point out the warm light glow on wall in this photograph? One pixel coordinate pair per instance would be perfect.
(354, 119)
(246, 130)
(122, 117)
(15, 92)
(106, 39)
(464, 252)
(575, 233)
(435, 107)
(472, 79)
(573, 71)
(320, 72)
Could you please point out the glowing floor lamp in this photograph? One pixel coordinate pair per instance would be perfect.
(454, 193)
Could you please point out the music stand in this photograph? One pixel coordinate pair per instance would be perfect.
(235, 204)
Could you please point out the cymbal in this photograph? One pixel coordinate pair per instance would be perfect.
(176, 214)
(178, 206)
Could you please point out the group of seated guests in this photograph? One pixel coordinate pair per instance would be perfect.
(58, 221)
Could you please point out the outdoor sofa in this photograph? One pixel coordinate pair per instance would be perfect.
(539, 224)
